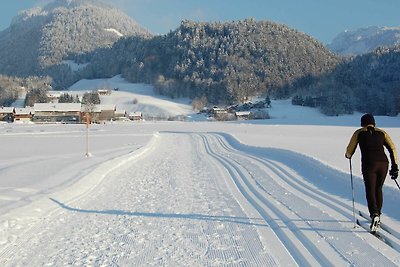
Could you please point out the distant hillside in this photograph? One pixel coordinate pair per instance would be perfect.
(365, 40)
(374, 80)
(42, 37)
(365, 83)
(225, 62)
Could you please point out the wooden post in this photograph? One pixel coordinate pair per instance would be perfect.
(87, 134)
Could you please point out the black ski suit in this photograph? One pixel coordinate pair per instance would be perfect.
(374, 162)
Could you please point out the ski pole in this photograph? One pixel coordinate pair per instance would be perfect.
(352, 190)
(397, 183)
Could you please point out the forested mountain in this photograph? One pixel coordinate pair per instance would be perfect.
(374, 81)
(226, 62)
(365, 40)
(40, 38)
(366, 83)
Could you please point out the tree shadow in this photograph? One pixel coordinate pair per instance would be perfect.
(259, 222)
(192, 216)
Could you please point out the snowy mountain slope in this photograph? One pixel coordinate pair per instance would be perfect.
(42, 37)
(365, 40)
(196, 198)
(135, 97)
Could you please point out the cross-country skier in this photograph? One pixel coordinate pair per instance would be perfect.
(374, 163)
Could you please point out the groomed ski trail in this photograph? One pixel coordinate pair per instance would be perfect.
(314, 226)
(195, 200)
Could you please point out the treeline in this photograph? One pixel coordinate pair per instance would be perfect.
(8, 90)
(225, 62)
(367, 83)
(11, 87)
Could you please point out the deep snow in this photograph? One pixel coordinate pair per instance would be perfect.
(252, 193)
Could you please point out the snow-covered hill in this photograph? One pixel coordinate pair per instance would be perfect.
(365, 40)
(136, 97)
(255, 193)
(42, 37)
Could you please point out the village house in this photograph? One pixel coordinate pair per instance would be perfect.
(99, 113)
(104, 91)
(57, 112)
(136, 116)
(23, 114)
(242, 115)
(7, 114)
(217, 110)
(222, 114)
(119, 113)
(107, 112)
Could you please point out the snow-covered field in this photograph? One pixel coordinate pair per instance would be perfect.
(253, 193)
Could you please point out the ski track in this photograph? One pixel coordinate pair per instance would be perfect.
(195, 200)
(315, 215)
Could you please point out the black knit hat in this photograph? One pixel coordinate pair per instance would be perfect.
(367, 119)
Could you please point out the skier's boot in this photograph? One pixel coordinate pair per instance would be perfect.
(375, 222)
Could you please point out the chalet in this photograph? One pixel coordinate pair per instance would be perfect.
(104, 91)
(107, 112)
(222, 114)
(7, 114)
(217, 110)
(99, 113)
(57, 112)
(136, 116)
(24, 114)
(120, 113)
(242, 115)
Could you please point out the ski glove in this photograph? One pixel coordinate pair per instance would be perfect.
(394, 172)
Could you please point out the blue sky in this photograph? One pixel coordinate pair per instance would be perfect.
(322, 19)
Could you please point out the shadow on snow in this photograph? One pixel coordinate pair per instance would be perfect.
(201, 217)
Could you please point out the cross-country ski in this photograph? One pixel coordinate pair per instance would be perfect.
(365, 224)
